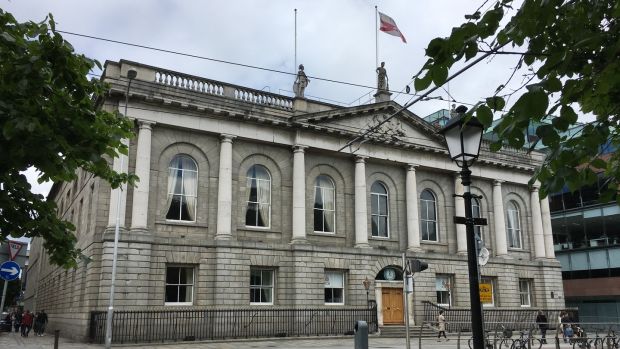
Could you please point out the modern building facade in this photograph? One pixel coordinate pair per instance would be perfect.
(245, 200)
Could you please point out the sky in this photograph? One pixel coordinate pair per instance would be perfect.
(335, 40)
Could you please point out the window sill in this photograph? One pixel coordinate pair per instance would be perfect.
(380, 238)
(259, 304)
(436, 243)
(334, 304)
(328, 235)
(181, 223)
(516, 249)
(258, 229)
(178, 304)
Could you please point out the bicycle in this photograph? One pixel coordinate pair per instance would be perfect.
(488, 344)
(612, 340)
(522, 341)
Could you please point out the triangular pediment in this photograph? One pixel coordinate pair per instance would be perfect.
(404, 127)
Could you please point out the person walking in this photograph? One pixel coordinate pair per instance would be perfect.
(27, 319)
(42, 323)
(17, 320)
(543, 325)
(441, 325)
(564, 322)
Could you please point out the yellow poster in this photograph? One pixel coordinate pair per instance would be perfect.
(486, 293)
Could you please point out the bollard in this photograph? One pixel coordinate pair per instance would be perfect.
(361, 334)
(458, 339)
(420, 337)
(529, 339)
(56, 335)
(557, 340)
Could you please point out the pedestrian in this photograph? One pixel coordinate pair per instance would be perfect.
(42, 323)
(564, 320)
(35, 324)
(441, 325)
(543, 325)
(27, 319)
(17, 320)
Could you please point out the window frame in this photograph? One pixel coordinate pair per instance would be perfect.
(261, 287)
(378, 214)
(323, 211)
(450, 279)
(258, 203)
(528, 292)
(166, 285)
(342, 274)
(513, 208)
(170, 191)
(424, 222)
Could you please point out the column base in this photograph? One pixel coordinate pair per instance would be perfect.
(223, 237)
(461, 253)
(415, 249)
(362, 245)
(298, 241)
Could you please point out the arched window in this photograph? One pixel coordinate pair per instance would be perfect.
(513, 225)
(324, 205)
(258, 210)
(182, 188)
(428, 216)
(476, 209)
(379, 210)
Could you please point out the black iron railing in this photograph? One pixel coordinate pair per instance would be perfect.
(208, 324)
(458, 318)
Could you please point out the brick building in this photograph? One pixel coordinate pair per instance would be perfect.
(244, 200)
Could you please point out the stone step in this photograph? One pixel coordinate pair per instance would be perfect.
(414, 331)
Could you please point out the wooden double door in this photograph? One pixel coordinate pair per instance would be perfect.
(392, 306)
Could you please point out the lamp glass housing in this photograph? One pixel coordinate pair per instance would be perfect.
(463, 139)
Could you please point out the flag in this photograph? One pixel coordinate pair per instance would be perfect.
(389, 26)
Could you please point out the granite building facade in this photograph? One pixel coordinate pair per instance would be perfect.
(244, 200)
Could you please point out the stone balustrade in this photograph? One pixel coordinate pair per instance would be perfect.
(201, 85)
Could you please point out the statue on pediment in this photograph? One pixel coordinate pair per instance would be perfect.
(382, 78)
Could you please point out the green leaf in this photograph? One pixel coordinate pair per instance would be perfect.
(484, 115)
(495, 146)
(439, 74)
(598, 163)
(496, 103)
(553, 84)
(421, 84)
(567, 113)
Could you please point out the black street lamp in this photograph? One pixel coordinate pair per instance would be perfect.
(463, 136)
(366, 284)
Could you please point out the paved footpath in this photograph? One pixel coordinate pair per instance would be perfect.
(15, 341)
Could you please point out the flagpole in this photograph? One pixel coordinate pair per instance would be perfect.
(295, 66)
(376, 39)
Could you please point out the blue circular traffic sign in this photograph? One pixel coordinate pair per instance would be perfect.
(9, 270)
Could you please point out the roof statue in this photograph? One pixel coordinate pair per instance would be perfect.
(382, 78)
(300, 82)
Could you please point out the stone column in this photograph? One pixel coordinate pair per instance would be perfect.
(547, 232)
(299, 195)
(224, 189)
(537, 224)
(140, 206)
(361, 215)
(120, 165)
(413, 222)
(459, 210)
(501, 247)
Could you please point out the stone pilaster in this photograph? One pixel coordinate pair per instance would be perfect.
(299, 195)
(547, 232)
(413, 222)
(361, 216)
(140, 206)
(120, 165)
(224, 189)
(459, 209)
(537, 224)
(501, 246)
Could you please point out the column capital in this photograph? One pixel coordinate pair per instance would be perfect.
(226, 138)
(498, 182)
(411, 167)
(360, 158)
(145, 124)
(534, 188)
(298, 148)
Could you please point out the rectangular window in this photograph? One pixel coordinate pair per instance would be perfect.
(179, 285)
(525, 292)
(443, 287)
(334, 287)
(261, 286)
(488, 292)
